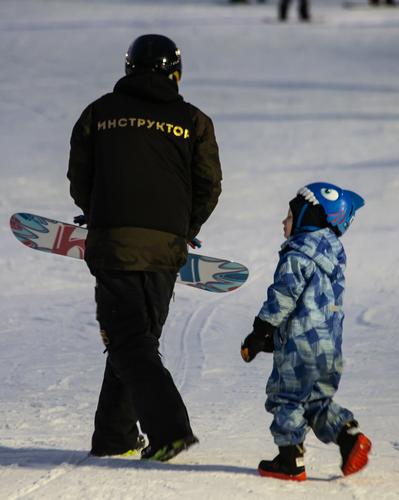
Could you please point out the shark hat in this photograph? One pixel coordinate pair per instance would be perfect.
(321, 204)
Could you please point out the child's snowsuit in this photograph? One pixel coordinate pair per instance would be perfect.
(305, 304)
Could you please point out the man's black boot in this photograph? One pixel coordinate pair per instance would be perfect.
(134, 450)
(168, 451)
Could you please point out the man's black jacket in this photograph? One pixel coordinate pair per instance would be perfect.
(144, 168)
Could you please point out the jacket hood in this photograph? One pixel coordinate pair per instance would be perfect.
(322, 246)
(149, 85)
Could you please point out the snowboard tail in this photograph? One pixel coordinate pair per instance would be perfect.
(52, 236)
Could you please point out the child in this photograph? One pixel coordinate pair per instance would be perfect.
(301, 322)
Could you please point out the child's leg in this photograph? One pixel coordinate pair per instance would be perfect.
(327, 418)
(289, 425)
(288, 429)
(332, 423)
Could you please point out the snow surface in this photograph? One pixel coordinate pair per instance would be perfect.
(291, 104)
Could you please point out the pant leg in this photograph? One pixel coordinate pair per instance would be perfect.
(115, 420)
(303, 10)
(327, 418)
(301, 384)
(158, 307)
(292, 420)
(289, 426)
(283, 7)
(132, 308)
(297, 406)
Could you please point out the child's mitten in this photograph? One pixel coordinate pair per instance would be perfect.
(259, 340)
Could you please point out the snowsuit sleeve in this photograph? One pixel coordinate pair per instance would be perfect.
(206, 172)
(292, 274)
(81, 168)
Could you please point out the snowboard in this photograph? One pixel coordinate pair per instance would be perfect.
(52, 236)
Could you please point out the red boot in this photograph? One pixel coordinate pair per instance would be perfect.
(354, 447)
(288, 464)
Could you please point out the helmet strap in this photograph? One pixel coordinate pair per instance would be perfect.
(301, 215)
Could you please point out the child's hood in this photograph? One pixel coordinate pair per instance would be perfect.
(322, 246)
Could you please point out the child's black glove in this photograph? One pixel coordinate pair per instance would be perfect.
(259, 340)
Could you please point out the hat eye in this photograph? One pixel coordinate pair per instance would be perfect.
(330, 194)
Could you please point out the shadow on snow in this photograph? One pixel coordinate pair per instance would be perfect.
(37, 458)
(45, 458)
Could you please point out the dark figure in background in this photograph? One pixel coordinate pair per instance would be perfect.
(303, 10)
(246, 1)
(376, 3)
(144, 168)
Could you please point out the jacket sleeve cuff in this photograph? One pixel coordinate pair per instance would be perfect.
(262, 328)
(192, 233)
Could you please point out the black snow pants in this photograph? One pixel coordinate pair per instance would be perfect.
(132, 307)
(303, 9)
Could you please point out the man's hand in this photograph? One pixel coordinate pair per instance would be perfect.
(80, 220)
(195, 243)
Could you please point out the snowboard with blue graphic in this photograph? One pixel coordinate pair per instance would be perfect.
(48, 235)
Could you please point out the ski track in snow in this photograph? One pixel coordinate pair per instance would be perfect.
(47, 478)
(189, 368)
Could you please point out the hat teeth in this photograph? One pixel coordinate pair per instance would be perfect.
(308, 195)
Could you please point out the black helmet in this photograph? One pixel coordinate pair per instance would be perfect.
(155, 52)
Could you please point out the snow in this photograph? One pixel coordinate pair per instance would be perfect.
(291, 104)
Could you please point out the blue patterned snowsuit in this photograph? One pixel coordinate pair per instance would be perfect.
(305, 303)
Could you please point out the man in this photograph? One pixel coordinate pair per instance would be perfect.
(303, 10)
(144, 168)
